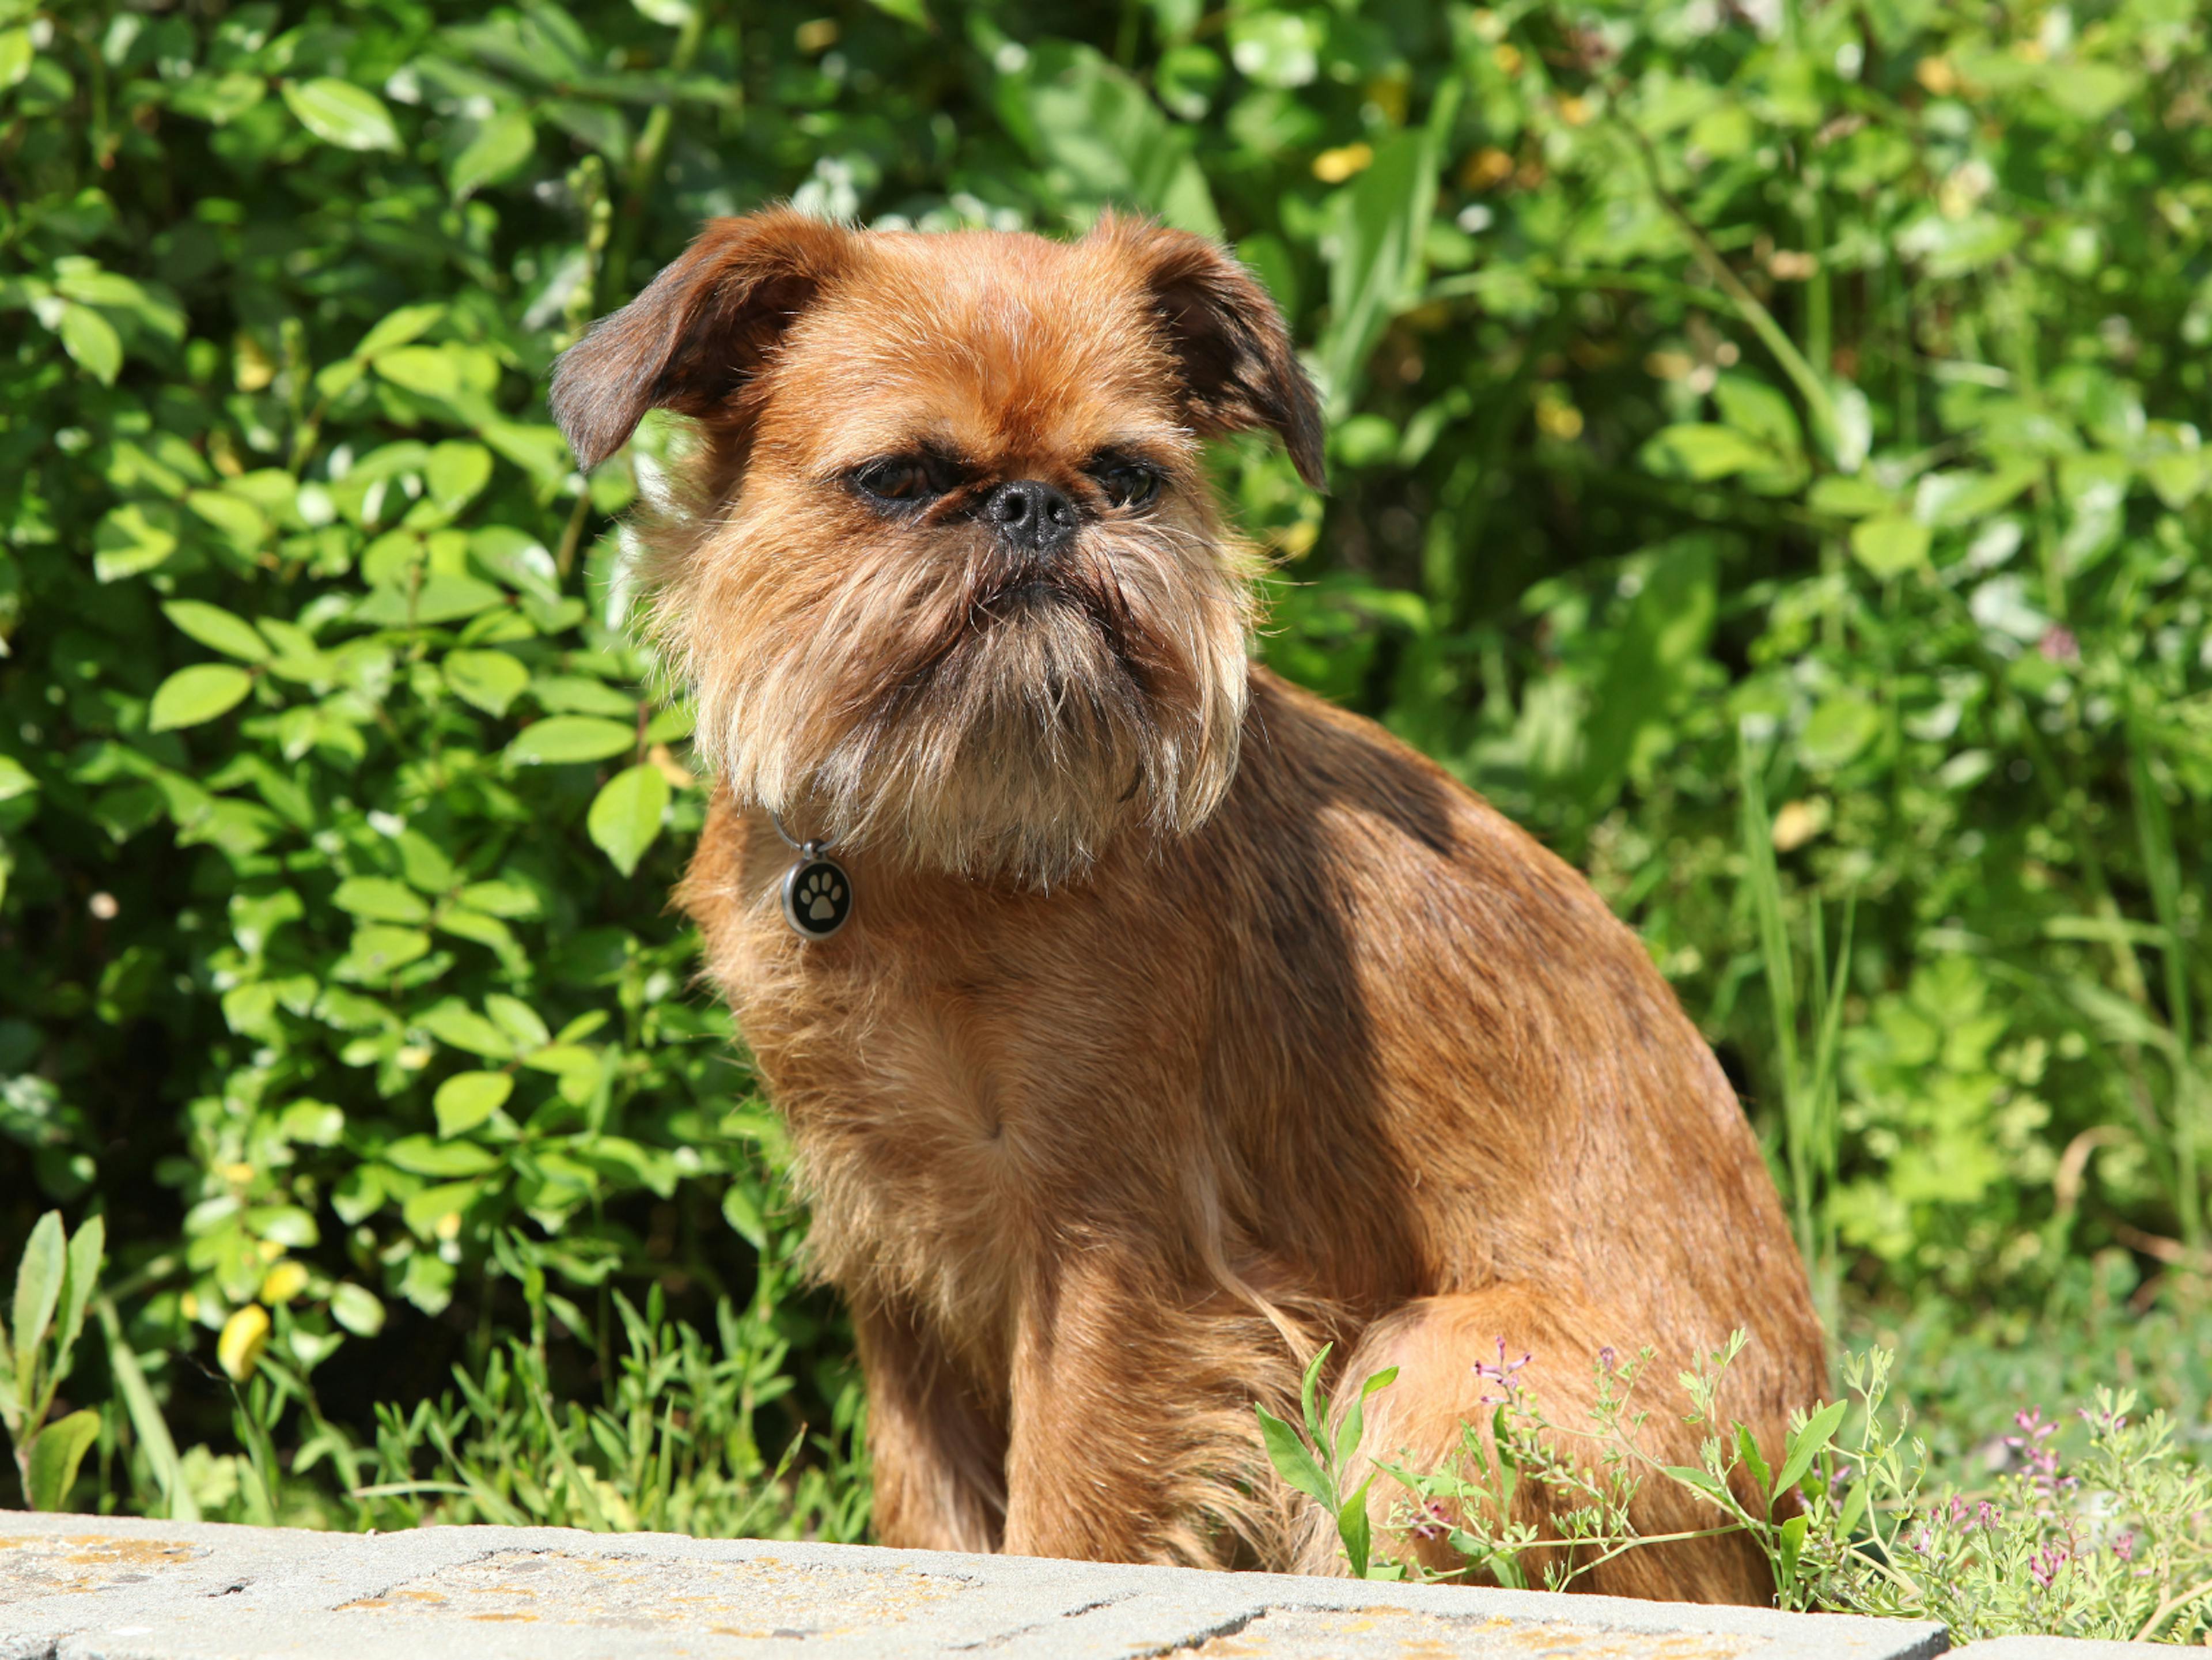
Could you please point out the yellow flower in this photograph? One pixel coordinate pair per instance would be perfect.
(283, 1282)
(244, 1334)
(1334, 167)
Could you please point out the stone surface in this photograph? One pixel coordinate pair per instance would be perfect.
(88, 1587)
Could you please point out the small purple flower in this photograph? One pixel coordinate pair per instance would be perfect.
(1502, 1374)
(2125, 1546)
(1434, 1522)
(2030, 1420)
(2042, 1567)
(2058, 645)
(1608, 1358)
(1987, 1516)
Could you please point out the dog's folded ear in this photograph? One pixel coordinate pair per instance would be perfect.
(699, 331)
(1238, 370)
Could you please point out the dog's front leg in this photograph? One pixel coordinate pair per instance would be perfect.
(938, 1454)
(1130, 1433)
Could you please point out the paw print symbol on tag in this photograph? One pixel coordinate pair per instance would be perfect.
(817, 897)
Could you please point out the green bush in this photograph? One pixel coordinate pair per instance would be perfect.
(1775, 416)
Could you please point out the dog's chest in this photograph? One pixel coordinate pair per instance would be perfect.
(955, 1123)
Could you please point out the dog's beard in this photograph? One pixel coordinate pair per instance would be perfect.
(1004, 719)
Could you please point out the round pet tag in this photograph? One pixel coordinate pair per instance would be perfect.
(817, 897)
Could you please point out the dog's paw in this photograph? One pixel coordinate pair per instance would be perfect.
(819, 894)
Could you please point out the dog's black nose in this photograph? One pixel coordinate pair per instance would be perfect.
(1030, 515)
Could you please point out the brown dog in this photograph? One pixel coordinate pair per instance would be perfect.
(1183, 1022)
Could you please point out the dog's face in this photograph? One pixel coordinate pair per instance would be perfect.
(948, 579)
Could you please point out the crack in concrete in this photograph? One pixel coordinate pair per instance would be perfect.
(1227, 1627)
(1001, 1638)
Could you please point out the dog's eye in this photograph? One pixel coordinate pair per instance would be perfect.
(899, 478)
(1128, 484)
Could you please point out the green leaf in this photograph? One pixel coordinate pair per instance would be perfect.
(1657, 656)
(1279, 49)
(743, 1215)
(91, 340)
(1309, 1389)
(339, 113)
(1890, 545)
(381, 899)
(517, 1020)
(2090, 91)
(1690, 1477)
(1850, 498)
(626, 815)
(242, 524)
(1789, 1544)
(15, 778)
(563, 738)
(1099, 130)
(1754, 1460)
(39, 1276)
(397, 328)
(359, 1309)
(1287, 1453)
(1701, 451)
(1383, 234)
(419, 1155)
(501, 148)
(15, 54)
(54, 1456)
(508, 899)
(1760, 412)
(457, 475)
(1841, 726)
(378, 950)
(1855, 1507)
(456, 1023)
(467, 1098)
(432, 371)
(1805, 1444)
(134, 538)
(489, 679)
(146, 1421)
(86, 1247)
(1354, 1528)
(441, 597)
(199, 693)
(1353, 1424)
(223, 631)
(432, 1205)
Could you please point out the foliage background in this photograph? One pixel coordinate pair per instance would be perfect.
(1778, 414)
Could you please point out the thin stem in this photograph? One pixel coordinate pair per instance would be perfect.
(2169, 1607)
(1810, 385)
(645, 166)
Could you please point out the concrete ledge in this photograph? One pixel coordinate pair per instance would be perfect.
(93, 1588)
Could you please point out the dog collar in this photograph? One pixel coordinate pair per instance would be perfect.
(817, 894)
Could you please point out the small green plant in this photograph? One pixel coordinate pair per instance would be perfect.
(675, 1445)
(1590, 1475)
(54, 1281)
(1319, 1462)
(2116, 1545)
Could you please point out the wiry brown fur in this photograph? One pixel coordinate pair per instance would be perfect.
(1183, 1022)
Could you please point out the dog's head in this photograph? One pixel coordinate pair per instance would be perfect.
(947, 578)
